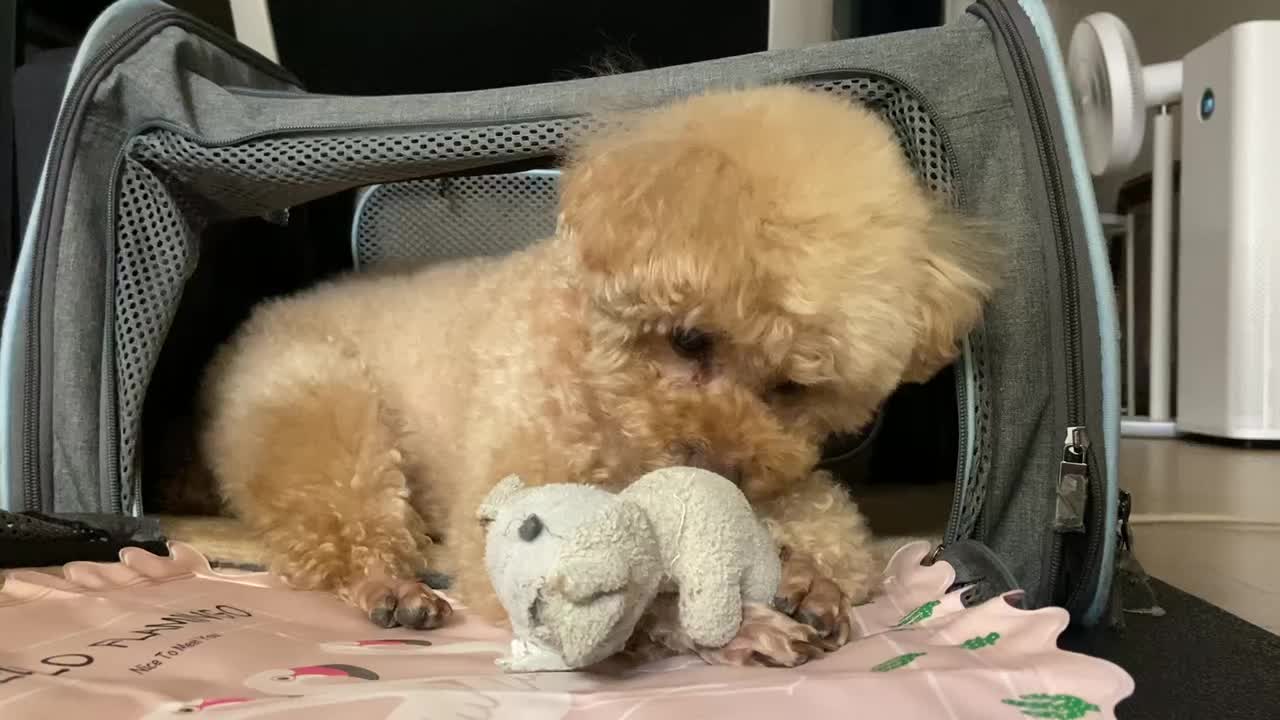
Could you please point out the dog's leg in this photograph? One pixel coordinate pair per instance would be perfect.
(813, 599)
(304, 453)
(766, 637)
(828, 558)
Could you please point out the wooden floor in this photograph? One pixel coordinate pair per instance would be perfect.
(1207, 521)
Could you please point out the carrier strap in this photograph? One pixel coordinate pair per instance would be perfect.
(980, 570)
(38, 540)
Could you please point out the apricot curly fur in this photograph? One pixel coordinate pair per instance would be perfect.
(354, 423)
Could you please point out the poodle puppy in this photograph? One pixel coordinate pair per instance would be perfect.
(735, 276)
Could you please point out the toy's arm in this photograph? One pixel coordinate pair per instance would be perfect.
(600, 563)
(711, 608)
(530, 657)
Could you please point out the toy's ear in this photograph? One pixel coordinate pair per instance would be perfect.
(598, 559)
(497, 497)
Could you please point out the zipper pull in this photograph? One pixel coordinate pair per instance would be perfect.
(934, 554)
(1073, 482)
(1124, 506)
(279, 218)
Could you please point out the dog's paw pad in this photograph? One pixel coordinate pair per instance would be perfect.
(786, 605)
(384, 615)
(404, 603)
(814, 601)
(819, 622)
(768, 638)
(420, 608)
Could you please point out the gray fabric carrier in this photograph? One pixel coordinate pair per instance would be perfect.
(169, 127)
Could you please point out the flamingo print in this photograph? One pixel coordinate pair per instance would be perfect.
(491, 697)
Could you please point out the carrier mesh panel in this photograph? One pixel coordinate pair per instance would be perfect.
(171, 185)
(916, 131)
(974, 493)
(260, 176)
(156, 251)
(436, 219)
(426, 221)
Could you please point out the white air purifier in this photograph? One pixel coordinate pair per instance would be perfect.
(1229, 249)
(1227, 92)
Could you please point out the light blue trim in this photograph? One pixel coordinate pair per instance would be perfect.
(12, 345)
(12, 339)
(357, 218)
(1108, 318)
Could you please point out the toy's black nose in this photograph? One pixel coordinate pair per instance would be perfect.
(530, 528)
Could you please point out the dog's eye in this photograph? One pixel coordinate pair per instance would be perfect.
(691, 343)
(788, 388)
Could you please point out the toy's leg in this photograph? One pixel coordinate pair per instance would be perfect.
(303, 452)
(828, 559)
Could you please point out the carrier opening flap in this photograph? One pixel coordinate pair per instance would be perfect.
(58, 290)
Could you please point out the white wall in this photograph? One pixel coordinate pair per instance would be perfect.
(1163, 30)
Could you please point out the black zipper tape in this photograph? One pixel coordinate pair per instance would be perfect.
(1010, 39)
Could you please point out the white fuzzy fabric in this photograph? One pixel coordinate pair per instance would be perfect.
(576, 589)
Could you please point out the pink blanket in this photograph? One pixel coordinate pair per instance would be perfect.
(153, 637)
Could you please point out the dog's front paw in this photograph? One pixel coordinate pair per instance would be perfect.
(769, 638)
(407, 603)
(814, 600)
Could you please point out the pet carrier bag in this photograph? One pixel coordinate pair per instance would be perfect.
(188, 174)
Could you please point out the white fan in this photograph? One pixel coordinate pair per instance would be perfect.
(1112, 90)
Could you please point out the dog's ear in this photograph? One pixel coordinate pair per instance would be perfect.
(962, 270)
(656, 210)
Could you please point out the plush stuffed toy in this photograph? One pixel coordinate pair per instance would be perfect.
(576, 566)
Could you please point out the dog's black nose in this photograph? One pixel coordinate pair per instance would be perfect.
(531, 528)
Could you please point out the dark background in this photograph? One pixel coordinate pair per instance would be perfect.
(404, 46)
(415, 46)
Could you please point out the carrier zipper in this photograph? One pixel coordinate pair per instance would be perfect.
(86, 80)
(1000, 17)
(1073, 482)
(951, 532)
